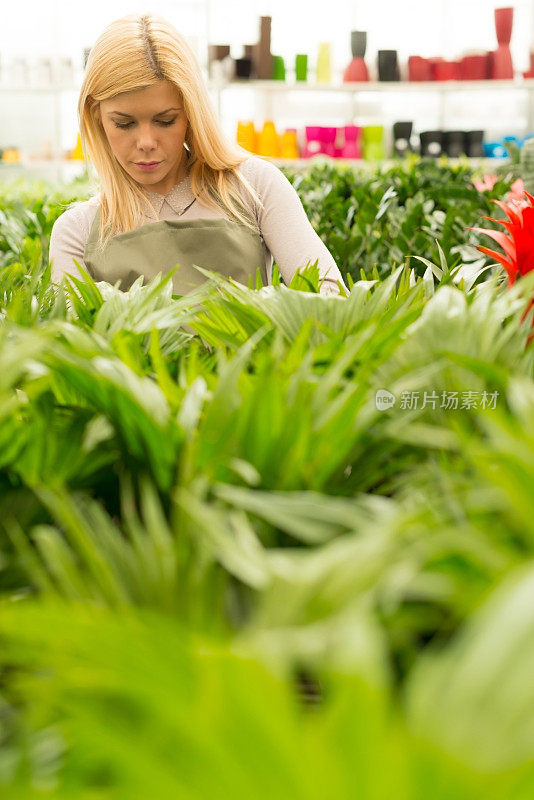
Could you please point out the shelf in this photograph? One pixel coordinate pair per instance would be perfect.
(46, 169)
(360, 163)
(42, 163)
(346, 88)
(299, 163)
(379, 86)
(44, 89)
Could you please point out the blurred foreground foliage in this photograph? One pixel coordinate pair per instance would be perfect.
(227, 571)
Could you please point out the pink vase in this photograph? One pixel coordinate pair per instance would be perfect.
(352, 147)
(502, 67)
(327, 137)
(313, 141)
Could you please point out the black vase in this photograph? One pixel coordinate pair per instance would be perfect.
(243, 67)
(453, 143)
(402, 132)
(388, 66)
(431, 143)
(474, 144)
(358, 43)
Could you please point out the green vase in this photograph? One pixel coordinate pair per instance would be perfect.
(279, 69)
(373, 142)
(301, 67)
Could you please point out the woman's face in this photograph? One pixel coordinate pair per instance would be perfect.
(147, 126)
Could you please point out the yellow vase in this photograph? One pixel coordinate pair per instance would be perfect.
(246, 136)
(268, 141)
(290, 147)
(77, 153)
(324, 67)
(11, 155)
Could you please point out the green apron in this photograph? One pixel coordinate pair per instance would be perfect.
(222, 245)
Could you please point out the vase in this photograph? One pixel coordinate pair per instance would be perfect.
(301, 67)
(431, 143)
(352, 147)
(243, 68)
(289, 144)
(474, 68)
(419, 69)
(313, 141)
(324, 69)
(327, 137)
(453, 143)
(502, 67)
(358, 43)
(246, 136)
(473, 144)
(373, 142)
(402, 132)
(228, 68)
(279, 69)
(388, 66)
(504, 20)
(530, 72)
(356, 71)
(268, 141)
(446, 71)
(264, 60)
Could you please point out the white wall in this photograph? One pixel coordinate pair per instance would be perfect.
(428, 27)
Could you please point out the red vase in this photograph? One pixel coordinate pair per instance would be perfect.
(502, 67)
(530, 72)
(474, 68)
(504, 19)
(445, 70)
(419, 69)
(356, 71)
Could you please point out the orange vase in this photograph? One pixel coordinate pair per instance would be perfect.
(246, 136)
(289, 144)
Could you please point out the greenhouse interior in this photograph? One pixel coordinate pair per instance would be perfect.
(267, 400)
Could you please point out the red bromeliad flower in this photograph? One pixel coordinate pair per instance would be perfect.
(518, 246)
(518, 242)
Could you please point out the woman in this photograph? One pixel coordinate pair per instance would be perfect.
(174, 190)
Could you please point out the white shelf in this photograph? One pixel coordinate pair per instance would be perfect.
(378, 86)
(349, 87)
(52, 89)
(360, 163)
(47, 169)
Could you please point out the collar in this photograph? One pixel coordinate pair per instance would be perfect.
(179, 198)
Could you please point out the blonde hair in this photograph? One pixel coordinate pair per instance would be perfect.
(133, 53)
